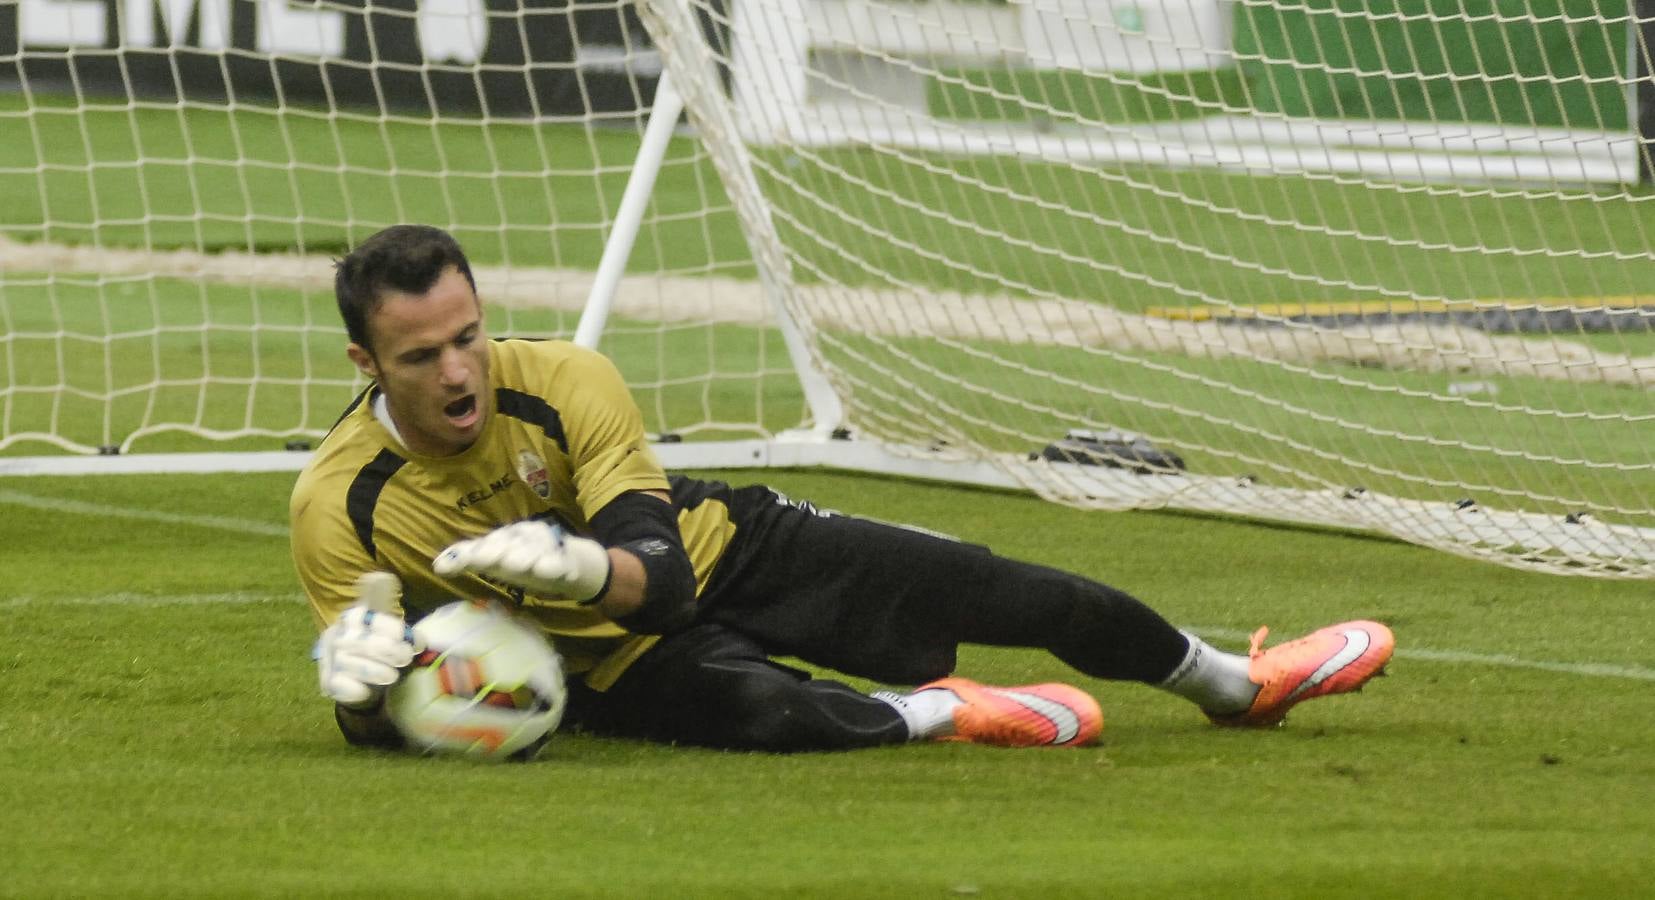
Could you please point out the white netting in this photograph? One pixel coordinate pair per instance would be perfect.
(1344, 259)
(1353, 262)
(174, 194)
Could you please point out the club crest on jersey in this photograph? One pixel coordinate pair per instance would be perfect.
(532, 469)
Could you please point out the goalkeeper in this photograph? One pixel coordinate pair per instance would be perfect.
(519, 470)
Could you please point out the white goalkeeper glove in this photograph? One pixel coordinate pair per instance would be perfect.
(540, 558)
(365, 650)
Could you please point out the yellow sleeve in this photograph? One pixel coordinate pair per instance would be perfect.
(605, 430)
(328, 557)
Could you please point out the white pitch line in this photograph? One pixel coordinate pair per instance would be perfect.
(61, 505)
(130, 599)
(1498, 660)
(1591, 670)
(1597, 670)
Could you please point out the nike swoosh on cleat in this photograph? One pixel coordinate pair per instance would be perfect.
(1356, 644)
(1062, 717)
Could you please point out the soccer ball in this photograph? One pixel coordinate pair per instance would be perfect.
(486, 685)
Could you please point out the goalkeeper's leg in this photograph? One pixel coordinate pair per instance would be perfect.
(713, 687)
(1106, 633)
(892, 603)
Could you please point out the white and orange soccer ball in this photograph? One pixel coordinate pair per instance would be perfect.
(487, 685)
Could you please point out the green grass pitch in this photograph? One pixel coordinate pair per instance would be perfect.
(160, 730)
(161, 734)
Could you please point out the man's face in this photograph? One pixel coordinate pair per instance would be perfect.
(430, 357)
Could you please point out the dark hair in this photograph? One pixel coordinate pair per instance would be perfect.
(406, 258)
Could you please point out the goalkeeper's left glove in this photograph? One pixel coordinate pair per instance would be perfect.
(540, 558)
(366, 649)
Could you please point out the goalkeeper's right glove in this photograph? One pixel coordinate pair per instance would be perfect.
(365, 650)
(538, 557)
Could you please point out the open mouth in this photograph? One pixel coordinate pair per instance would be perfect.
(462, 409)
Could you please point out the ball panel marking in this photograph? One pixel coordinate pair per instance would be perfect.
(488, 685)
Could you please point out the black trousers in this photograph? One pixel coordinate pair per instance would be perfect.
(865, 598)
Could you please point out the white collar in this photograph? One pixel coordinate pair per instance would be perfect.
(383, 414)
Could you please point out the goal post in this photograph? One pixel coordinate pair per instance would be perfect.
(1372, 265)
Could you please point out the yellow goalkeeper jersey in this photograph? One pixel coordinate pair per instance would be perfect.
(564, 439)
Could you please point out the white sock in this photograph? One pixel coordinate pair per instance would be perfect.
(1216, 681)
(929, 714)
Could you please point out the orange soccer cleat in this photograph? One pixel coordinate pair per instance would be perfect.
(1036, 715)
(1334, 660)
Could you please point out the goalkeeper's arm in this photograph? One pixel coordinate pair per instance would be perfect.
(636, 573)
(652, 582)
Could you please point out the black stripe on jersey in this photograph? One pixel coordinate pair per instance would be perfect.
(352, 407)
(364, 492)
(534, 411)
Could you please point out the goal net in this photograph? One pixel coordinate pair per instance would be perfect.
(1373, 265)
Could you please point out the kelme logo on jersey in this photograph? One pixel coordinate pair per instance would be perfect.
(532, 469)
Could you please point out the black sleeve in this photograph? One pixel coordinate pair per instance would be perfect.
(367, 728)
(647, 527)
